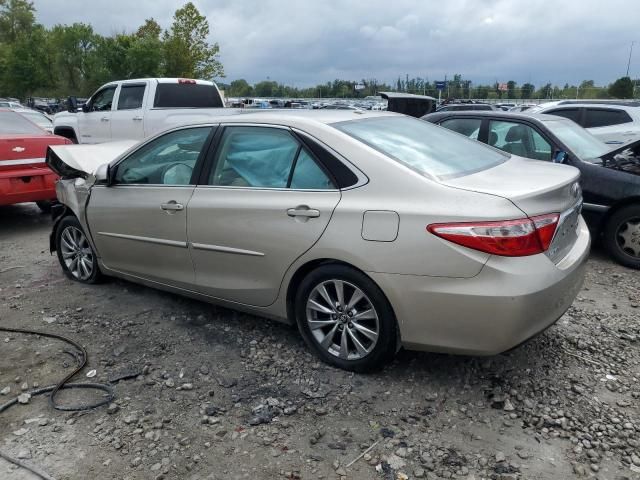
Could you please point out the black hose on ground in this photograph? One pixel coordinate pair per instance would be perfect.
(54, 389)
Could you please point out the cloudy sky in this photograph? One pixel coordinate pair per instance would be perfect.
(304, 42)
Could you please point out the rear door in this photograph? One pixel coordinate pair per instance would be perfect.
(127, 121)
(139, 223)
(264, 201)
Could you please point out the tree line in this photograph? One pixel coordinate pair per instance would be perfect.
(457, 87)
(75, 60)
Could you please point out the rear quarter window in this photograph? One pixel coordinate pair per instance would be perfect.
(186, 95)
(598, 117)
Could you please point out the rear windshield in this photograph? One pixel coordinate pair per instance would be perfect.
(186, 95)
(13, 123)
(430, 150)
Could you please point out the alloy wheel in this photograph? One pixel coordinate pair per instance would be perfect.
(342, 319)
(628, 237)
(76, 253)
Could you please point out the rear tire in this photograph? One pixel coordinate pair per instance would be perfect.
(75, 254)
(621, 236)
(346, 319)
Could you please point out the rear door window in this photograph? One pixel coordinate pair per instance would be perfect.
(186, 95)
(131, 97)
(469, 127)
(264, 157)
(600, 117)
(570, 113)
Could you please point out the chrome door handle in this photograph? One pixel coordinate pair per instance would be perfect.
(104, 119)
(172, 206)
(303, 211)
(137, 119)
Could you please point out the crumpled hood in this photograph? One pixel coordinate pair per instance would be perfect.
(84, 160)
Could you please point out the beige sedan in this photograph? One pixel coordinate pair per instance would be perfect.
(367, 230)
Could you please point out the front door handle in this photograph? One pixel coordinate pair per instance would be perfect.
(303, 211)
(104, 119)
(137, 119)
(172, 206)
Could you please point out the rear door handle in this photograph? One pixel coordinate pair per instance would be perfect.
(303, 211)
(172, 206)
(137, 119)
(104, 119)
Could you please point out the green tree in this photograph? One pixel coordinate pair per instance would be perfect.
(79, 66)
(186, 50)
(150, 29)
(27, 66)
(621, 88)
(240, 88)
(16, 17)
(511, 89)
(527, 91)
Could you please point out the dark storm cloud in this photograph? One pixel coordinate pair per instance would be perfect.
(304, 42)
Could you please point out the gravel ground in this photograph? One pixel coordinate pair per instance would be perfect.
(224, 395)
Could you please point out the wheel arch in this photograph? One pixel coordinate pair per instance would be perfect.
(307, 268)
(635, 200)
(66, 132)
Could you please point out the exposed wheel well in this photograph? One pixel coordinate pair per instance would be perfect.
(66, 132)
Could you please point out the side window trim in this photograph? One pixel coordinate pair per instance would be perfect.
(202, 156)
(108, 87)
(118, 95)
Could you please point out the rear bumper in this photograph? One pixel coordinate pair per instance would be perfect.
(509, 301)
(27, 185)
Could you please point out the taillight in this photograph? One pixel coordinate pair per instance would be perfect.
(508, 238)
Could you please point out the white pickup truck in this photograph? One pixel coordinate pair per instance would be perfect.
(135, 109)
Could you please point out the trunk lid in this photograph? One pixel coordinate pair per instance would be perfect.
(24, 151)
(536, 188)
(83, 160)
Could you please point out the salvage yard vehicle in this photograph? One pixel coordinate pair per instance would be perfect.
(614, 122)
(39, 118)
(370, 230)
(24, 176)
(610, 175)
(136, 109)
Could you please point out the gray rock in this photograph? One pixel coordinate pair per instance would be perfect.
(500, 457)
(24, 398)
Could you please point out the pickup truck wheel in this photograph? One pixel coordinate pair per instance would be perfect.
(622, 236)
(75, 254)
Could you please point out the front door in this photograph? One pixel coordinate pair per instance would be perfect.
(265, 202)
(95, 123)
(127, 121)
(139, 223)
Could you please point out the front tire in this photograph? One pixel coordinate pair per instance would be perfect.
(346, 319)
(622, 236)
(75, 254)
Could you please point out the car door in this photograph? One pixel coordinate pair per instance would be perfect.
(95, 119)
(264, 202)
(127, 121)
(139, 222)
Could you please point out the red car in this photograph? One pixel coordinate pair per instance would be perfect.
(24, 177)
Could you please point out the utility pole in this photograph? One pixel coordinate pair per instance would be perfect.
(629, 62)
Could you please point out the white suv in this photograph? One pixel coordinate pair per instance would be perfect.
(614, 122)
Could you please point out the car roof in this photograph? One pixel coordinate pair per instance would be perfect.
(601, 104)
(494, 114)
(292, 117)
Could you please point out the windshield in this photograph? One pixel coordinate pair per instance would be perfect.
(13, 123)
(422, 146)
(587, 147)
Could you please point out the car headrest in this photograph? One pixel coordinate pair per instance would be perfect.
(493, 138)
(516, 133)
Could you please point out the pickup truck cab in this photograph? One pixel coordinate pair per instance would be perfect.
(136, 109)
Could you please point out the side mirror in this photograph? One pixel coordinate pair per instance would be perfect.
(560, 157)
(102, 174)
(72, 105)
(85, 108)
